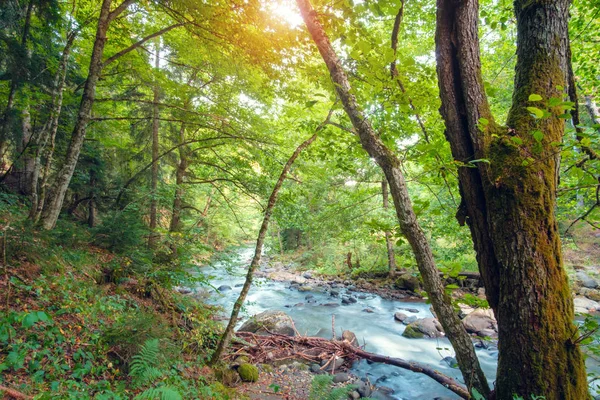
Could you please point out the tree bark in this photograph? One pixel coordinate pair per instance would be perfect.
(92, 201)
(179, 176)
(47, 139)
(389, 243)
(508, 204)
(152, 239)
(389, 163)
(56, 196)
(226, 337)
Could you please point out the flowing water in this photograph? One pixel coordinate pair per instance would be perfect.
(381, 333)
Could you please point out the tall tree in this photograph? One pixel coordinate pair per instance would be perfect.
(509, 203)
(56, 196)
(152, 239)
(390, 164)
(389, 243)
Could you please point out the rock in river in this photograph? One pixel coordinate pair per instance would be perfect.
(481, 322)
(224, 288)
(269, 321)
(426, 327)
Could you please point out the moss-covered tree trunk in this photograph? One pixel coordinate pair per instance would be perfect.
(509, 204)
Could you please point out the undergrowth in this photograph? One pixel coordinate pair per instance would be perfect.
(84, 318)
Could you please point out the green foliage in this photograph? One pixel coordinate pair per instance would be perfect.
(321, 389)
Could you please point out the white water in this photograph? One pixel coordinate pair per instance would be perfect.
(381, 333)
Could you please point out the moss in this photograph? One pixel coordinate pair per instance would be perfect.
(412, 333)
(248, 372)
(226, 376)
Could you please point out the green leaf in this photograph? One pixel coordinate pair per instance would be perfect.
(310, 103)
(535, 97)
(517, 140)
(535, 112)
(537, 135)
(484, 121)
(30, 320)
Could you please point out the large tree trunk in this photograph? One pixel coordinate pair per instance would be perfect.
(226, 337)
(47, 139)
(389, 242)
(56, 196)
(508, 204)
(389, 163)
(152, 239)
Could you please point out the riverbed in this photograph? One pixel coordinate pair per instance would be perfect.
(312, 313)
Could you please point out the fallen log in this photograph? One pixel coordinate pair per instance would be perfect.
(289, 345)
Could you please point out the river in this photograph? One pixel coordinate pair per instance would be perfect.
(378, 330)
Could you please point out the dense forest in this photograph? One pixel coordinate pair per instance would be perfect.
(284, 199)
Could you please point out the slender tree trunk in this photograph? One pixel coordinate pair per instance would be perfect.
(389, 243)
(509, 204)
(24, 167)
(389, 163)
(47, 139)
(14, 85)
(56, 196)
(226, 338)
(92, 201)
(152, 239)
(179, 176)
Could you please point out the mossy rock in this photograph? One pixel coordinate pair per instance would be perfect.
(412, 333)
(248, 372)
(226, 376)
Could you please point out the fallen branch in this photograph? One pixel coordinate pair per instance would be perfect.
(11, 393)
(315, 349)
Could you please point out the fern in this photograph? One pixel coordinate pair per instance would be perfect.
(159, 393)
(144, 365)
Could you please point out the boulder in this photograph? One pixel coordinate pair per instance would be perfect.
(248, 372)
(410, 320)
(584, 305)
(341, 377)
(305, 288)
(307, 275)
(269, 321)
(400, 317)
(593, 294)
(368, 310)
(426, 327)
(349, 337)
(407, 281)
(330, 305)
(299, 280)
(364, 389)
(481, 322)
(224, 288)
(585, 280)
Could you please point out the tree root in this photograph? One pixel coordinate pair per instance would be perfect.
(314, 349)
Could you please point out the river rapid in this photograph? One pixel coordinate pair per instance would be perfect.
(377, 330)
